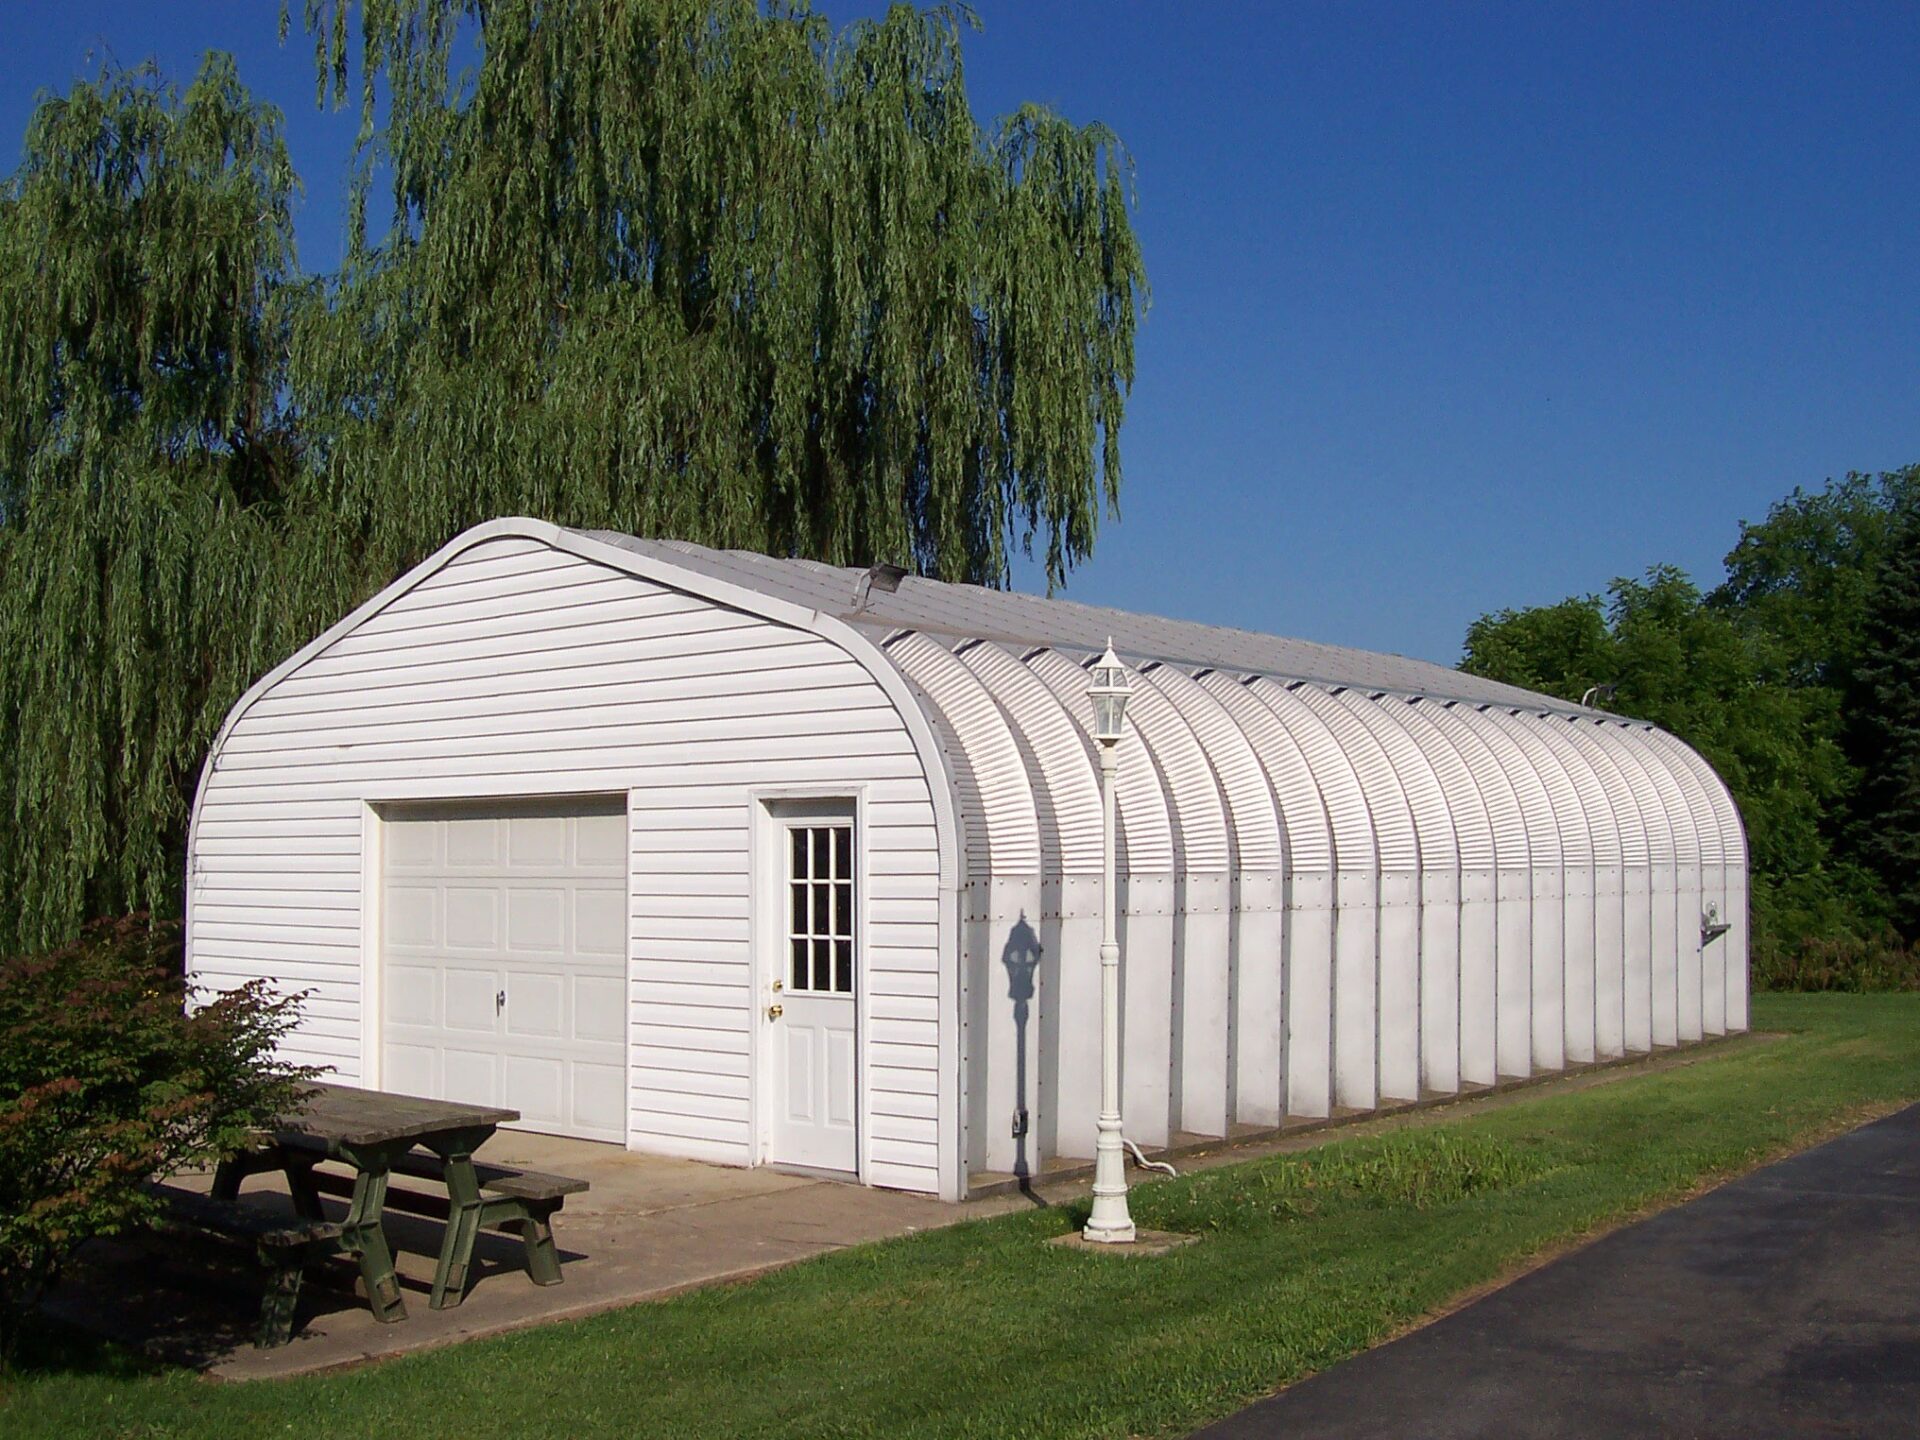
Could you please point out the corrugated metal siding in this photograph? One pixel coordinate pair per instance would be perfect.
(1068, 787)
(465, 685)
(1573, 834)
(1250, 803)
(1303, 811)
(1356, 847)
(1002, 816)
(1418, 763)
(1475, 803)
(1548, 751)
(1393, 825)
(1623, 798)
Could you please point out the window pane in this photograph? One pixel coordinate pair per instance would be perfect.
(820, 859)
(843, 853)
(799, 853)
(799, 977)
(843, 966)
(797, 914)
(822, 960)
(822, 922)
(843, 909)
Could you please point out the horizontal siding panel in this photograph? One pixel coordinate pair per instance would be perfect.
(639, 703)
(686, 678)
(892, 1080)
(690, 1104)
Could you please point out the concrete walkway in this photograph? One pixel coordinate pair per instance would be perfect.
(1786, 1303)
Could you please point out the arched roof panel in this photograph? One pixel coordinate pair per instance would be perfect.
(1529, 766)
(1307, 831)
(1733, 834)
(1355, 840)
(1386, 796)
(1530, 793)
(1419, 762)
(1622, 795)
(1250, 803)
(1549, 755)
(997, 795)
(1705, 825)
(1499, 838)
(1069, 785)
(1661, 809)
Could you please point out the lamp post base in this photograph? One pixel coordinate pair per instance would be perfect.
(1145, 1243)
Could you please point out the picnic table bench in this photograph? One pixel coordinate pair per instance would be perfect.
(284, 1248)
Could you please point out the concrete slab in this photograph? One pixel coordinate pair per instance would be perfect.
(1785, 1303)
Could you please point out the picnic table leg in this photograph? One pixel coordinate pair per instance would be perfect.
(361, 1233)
(463, 1215)
(306, 1194)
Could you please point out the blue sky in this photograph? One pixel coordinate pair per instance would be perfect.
(1454, 306)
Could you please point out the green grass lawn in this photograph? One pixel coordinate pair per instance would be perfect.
(983, 1330)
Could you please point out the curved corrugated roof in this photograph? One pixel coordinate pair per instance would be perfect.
(1251, 749)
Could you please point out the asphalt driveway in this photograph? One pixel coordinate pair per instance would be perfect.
(1784, 1304)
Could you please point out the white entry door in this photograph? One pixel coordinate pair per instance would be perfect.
(503, 950)
(814, 1068)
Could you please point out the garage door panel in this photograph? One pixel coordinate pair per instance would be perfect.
(600, 841)
(600, 922)
(411, 993)
(473, 918)
(472, 842)
(536, 920)
(505, 977)
(536, 841)
(412, 915)
(598, 1014)
(537, 1007)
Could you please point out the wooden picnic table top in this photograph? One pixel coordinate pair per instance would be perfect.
(348, 1115)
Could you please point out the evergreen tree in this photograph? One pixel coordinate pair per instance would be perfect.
(1888, 717)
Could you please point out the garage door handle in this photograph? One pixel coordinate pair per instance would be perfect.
(500, 1002)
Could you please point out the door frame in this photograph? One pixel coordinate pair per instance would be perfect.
(769, 806)
(377, 812)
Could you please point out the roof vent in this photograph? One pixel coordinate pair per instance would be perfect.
(884, 578)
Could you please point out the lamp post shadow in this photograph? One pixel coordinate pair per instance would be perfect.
(1021, 956)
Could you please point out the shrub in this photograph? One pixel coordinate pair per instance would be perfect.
(108, 1079)
(1853, 963)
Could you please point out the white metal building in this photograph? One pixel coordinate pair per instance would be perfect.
(768, 862)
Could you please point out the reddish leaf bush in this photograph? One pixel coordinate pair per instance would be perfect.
(111, 1073)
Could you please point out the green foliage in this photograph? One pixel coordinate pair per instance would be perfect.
(145, 254)
(1887, 720)
(105, 1081)
(1764, 677)
(675, 267)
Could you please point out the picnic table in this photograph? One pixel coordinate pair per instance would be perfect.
(374, 1132)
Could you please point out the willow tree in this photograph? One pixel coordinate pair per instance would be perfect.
(145, 247)
(681, 267)
(692, 268)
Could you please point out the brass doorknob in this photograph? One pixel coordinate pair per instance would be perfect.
(774, 1012)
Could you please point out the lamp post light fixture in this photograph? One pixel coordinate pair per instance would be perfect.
(1110, 1223)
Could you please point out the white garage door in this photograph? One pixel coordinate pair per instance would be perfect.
(503, 939)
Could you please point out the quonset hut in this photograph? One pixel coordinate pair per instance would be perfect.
(764, 861)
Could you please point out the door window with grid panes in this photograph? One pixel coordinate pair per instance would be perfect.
(820, 909)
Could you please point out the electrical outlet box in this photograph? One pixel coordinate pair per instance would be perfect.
(1019, 1124)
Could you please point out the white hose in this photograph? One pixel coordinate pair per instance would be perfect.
(1146, 1164)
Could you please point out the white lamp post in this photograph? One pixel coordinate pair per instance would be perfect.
(1109, 1223)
